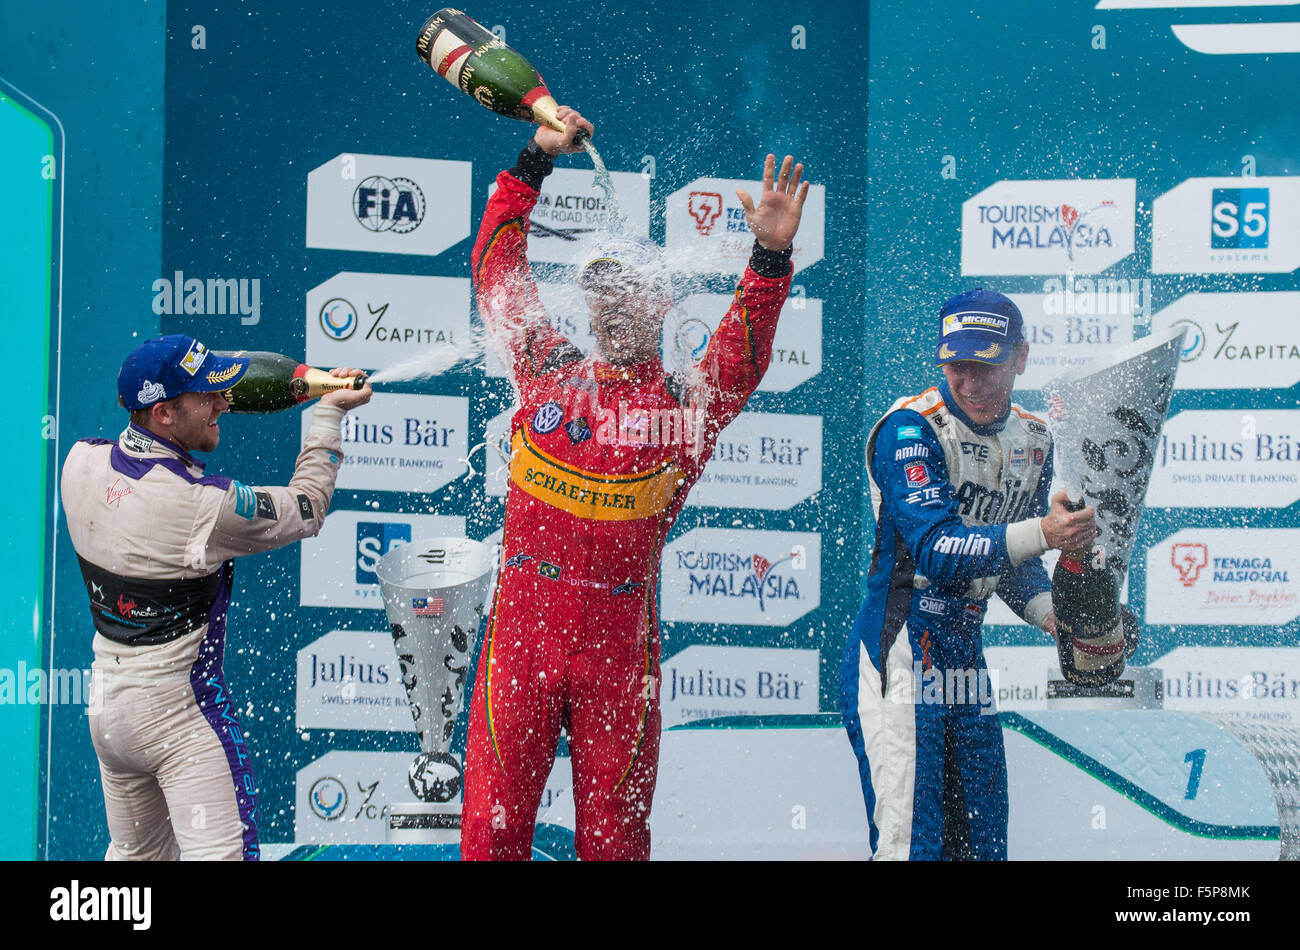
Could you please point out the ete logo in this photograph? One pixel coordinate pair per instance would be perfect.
(329, 799)
(338, 318)
(1188, 558)
(388, 204)
(1239, 218)
(705, 207)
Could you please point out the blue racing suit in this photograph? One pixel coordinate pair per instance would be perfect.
(958, 509)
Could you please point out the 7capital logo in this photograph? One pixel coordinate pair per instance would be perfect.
(705, 207)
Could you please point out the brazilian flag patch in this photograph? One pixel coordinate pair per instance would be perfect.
(546, 569)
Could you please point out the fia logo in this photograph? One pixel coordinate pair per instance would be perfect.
(1239, 218)
(388, 204)
(374, 540)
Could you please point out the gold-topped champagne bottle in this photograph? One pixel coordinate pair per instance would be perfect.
(479, 63)
(275, 382)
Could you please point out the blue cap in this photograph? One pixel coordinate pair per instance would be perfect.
(979, 325)
(166, 366)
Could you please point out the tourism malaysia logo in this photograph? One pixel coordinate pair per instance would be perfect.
(1049, 226)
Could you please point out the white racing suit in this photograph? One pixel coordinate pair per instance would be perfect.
(156, 540)
(958, 510)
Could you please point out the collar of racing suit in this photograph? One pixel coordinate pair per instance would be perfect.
(159, 442)
(992, 428)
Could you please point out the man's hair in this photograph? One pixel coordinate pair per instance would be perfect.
(142, 417)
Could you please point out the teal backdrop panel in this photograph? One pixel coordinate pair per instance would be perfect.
(96, 70)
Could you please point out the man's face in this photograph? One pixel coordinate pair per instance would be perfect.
(983, 390)
(627, 317)
(194, 420)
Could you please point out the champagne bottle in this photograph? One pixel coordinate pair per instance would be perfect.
(1090, 633)
(274, 382)
(480, 64)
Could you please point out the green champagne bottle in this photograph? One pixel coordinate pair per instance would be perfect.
(478, 63)
(274, 382)
(1090, 633)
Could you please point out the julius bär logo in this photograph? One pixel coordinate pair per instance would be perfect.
(705, 207)
(1188, 558)
(388, 204)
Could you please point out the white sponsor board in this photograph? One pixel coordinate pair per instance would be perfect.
(571, 215)
(1019, 674)
(706, 230)
(338, 565)
(403, 443)
(496, 453)
(350, 679)
(388, 203)
(762, 578)
(764, 460)
(1062, 338)
(704, 682)
(1048, 227)
(1225, 576)
(796, 348)
(1254, 682)
(344, 797)
(1237, 458)
(567, 312)
(372, 321)
(1227, 226)
(1236, 341)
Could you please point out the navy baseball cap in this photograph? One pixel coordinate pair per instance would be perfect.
(979, 325)
(166, 366)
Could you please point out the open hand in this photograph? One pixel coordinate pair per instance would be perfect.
(776, 219)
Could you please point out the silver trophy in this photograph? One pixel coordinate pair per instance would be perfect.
(1106, 419)
(434, 593)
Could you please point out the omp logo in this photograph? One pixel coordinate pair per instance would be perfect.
(1188, 558)
(705, 207)
(1223, 38)
(388, 204)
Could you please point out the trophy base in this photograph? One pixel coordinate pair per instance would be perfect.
(1139, 687)
(424, 823)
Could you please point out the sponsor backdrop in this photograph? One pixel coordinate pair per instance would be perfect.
(324, 205)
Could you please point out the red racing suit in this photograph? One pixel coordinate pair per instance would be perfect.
(602, 457)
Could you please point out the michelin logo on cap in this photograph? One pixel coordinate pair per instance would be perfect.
(975, 320)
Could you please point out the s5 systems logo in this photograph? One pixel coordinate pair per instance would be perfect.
(374, 540)
(1239, 218)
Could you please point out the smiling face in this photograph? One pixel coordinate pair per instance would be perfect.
(627, 315)
(190, 420)
(983, 390)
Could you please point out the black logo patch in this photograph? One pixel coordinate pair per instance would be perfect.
(304, 506)
(266, 507)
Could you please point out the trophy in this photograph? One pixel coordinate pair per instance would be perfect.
(434, 593)
(1105, 419)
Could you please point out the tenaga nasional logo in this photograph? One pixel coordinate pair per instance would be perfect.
(1048, 227)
